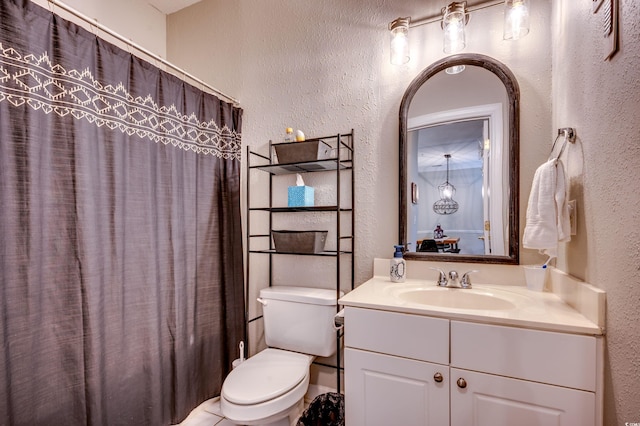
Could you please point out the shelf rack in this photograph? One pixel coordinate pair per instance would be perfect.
(340, 163)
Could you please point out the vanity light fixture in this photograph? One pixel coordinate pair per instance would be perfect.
(399, 41)
(446, 204)
(453, 18)
(516, 19)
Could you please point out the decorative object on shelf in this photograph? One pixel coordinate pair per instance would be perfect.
(300, 195)
(288, 135)
(446, 204)
(516, 19)
(299, 136)
(453, 19)
(438, 232)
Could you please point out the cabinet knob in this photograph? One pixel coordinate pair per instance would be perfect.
(462, 383)
(438, 377)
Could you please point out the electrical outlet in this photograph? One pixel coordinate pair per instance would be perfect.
(573, 217)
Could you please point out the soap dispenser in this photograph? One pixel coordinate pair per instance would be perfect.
(398, 270)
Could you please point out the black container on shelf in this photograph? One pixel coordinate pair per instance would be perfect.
(306, 242)
(300, 152)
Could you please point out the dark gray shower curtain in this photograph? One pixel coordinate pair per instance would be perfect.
(121, 281)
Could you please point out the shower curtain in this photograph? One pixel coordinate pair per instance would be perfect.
(121, 279)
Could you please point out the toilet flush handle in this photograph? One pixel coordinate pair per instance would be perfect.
(262, 301)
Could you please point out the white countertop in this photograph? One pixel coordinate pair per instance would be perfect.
(537, 310)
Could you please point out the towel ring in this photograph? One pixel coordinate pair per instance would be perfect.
(569, 134)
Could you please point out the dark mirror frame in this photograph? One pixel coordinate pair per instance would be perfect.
(513, 94)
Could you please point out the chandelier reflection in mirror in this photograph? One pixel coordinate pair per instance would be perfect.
(446, 204)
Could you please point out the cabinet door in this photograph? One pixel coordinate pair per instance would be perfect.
(489, 400)
(383, 390)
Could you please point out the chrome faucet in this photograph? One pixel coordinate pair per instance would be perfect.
(454, 280)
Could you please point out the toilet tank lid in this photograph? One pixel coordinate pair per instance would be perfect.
(316, 296)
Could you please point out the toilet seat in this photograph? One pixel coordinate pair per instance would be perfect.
(265, 385)
(265, 376)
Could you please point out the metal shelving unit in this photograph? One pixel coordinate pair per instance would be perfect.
(341, 165)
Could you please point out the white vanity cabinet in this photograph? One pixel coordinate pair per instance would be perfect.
(396, 369)
(509, 375)
(491, 375)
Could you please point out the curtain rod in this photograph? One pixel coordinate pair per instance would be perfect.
(95, 23)
(470, 8)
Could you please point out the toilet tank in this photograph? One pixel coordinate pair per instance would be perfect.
(300, 319)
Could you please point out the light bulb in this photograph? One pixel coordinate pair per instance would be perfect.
(456, 69)
(454, 38)
(400, 41)
(516, 19)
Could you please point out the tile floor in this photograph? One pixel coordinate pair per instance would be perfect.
(207, 414)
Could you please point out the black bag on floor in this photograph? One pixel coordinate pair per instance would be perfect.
(326, 409)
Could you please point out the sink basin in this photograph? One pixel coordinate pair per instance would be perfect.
(457, 298)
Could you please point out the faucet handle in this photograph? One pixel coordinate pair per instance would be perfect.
(466, 280)
(442, 277)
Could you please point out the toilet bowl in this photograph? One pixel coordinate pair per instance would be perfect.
(269, 387)
(266, 388)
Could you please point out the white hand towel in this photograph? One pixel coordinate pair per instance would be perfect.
(548, 210)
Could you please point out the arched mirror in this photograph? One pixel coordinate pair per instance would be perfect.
(459, 169)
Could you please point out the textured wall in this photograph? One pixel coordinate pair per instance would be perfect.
(602, 101)
(324, 67)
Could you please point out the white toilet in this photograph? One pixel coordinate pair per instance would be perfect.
(269, 387)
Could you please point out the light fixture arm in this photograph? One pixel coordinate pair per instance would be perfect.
(400, 22)
(471, 7)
